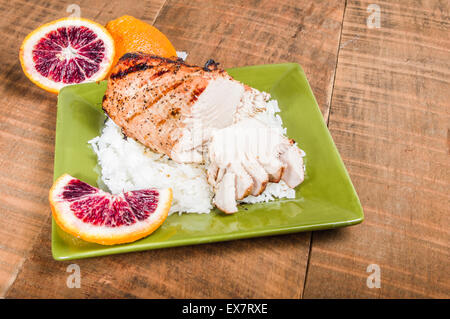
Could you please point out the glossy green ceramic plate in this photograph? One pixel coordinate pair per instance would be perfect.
(326, 199)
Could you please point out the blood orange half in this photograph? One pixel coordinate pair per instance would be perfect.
(100, 217)
(67, 51)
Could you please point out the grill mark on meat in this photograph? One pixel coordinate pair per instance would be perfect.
(196, 92)
(130, 55)
(134, 57)
(167, 60)
(159, 97)
(158, 74)
(164, 93)
(135, 68)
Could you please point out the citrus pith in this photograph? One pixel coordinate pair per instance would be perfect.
(67, 51)
(97, 216)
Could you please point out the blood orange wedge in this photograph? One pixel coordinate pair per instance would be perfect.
(67, 51)
(97, 216)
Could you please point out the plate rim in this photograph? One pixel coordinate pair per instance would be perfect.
(221, 237)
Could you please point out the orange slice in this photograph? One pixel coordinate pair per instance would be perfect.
(67, 51)
(100, 217)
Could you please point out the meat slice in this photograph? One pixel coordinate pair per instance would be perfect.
(259, 175)
(169, 106)
(294, 173)
(225, 194)
(244, 182)
(254, 154)
(275, 169)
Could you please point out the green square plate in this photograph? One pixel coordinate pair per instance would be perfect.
(326, 199)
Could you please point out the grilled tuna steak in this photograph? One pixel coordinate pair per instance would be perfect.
(170, 106)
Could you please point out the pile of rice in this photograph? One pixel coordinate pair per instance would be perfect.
(128, 165)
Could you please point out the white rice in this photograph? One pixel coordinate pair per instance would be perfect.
(128, 165)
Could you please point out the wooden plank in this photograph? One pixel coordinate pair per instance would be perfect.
(390, 121)
(27, 125)
(234, 33)
(238, 33)
(240, 269)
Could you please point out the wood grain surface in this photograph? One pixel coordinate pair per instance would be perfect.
(390, 117)
(27, 125)
(385, 93)
(235, 33)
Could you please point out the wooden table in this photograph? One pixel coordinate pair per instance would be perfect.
(384, 92)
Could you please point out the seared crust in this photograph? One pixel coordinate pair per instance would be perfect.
(149, 97)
